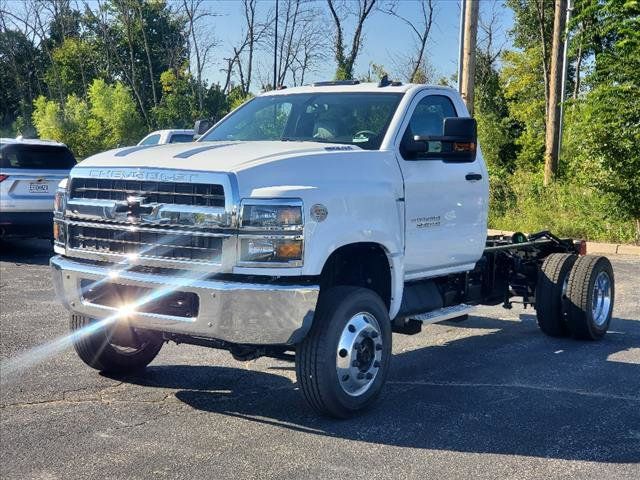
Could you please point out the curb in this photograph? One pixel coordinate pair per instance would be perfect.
(593, 247)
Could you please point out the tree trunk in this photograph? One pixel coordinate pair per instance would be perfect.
(545, 66)
(149, 63)
(576, 85)
(553, 118)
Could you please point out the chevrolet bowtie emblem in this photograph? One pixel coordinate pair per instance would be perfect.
(132, 208)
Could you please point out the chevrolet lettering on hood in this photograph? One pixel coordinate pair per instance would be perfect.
(148, 175)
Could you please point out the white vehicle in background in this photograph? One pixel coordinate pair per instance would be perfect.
(160, 137)
(30, 171)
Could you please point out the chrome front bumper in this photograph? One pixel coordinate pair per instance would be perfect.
(236, 312)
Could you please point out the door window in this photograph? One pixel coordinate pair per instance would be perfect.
(427, 119)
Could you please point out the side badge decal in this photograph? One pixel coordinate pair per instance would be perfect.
(319, 212)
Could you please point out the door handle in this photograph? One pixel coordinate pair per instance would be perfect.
(472, 177)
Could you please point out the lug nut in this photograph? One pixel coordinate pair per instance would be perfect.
(379, 346)
(351, 328)
(374, 334)
(369, 376)
(360, 376)
(376, 364)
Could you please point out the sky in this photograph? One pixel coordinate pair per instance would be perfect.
(386, 39)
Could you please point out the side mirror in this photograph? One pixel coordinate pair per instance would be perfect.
(457, 144)
(200, 127)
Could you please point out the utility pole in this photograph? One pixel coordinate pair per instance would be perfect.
(565, 66)
(463, 8)
(275, 52)
(555, 86)
(469, 54)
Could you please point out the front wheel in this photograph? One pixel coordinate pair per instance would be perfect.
(343, 362)
(110, 349)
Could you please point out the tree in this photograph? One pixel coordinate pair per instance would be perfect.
(107, 119)
(242, 61)
(73, 66)
(301, 41)
(179, 108)
(417, 72)
(524, 93)
(201, 43)
(608, 124)
(532, 29)
(345, 60)
(142, 40)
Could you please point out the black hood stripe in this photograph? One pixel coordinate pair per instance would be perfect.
(127, 151)
(195, 151)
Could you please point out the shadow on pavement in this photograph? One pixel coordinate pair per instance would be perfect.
(26, 251)
(506, 389)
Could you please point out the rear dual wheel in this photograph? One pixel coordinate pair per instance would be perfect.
(589, 299)
(574, 296)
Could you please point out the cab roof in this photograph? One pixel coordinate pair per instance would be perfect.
(364, 87)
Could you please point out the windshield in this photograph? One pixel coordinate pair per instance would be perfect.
(348, 118)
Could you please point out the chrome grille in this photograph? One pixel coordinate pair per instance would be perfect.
(170, 193)
(145, 242)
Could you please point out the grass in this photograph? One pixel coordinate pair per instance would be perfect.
(565, 208)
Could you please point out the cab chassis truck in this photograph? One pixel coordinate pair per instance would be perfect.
(307, 225)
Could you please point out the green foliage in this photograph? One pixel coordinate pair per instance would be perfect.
(178, 107)
(73, 67)
(108, 119)
(496, 130)
(523, 83)
(566, 208)
(114, 116)
(236, 98)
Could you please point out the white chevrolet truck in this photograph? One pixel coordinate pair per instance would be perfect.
(307, 225)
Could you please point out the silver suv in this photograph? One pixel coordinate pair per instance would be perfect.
(30, 171)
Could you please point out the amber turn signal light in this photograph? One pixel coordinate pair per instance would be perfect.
(289, 249)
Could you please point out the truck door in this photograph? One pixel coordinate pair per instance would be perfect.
(445, 201)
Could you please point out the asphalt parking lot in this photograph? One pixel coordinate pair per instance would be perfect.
(489, 398)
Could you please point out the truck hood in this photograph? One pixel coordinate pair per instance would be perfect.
(209, 156)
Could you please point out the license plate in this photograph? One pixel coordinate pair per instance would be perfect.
(38, 188)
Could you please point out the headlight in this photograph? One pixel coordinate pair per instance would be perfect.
(272, 217)
(271, 233)
(60, 197)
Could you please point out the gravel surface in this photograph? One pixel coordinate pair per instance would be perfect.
(491, 397)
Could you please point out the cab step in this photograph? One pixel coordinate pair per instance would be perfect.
(445, 313)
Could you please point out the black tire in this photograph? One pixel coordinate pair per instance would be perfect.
(317, 355)
(98, 350)
(550, 312)
(589, 273)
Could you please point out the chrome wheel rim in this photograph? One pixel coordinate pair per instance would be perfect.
(359, 354)
(601, 305)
